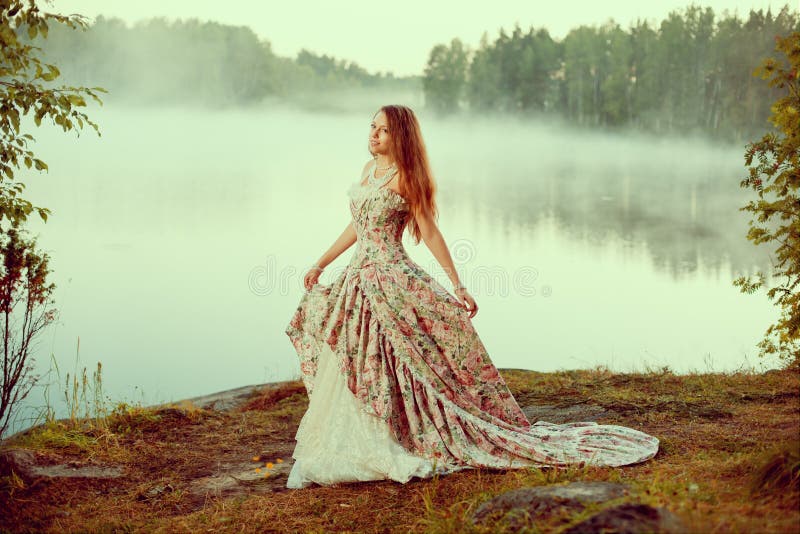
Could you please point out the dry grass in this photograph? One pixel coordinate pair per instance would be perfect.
(728, 463)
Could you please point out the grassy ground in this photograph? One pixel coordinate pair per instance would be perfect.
(728, 463)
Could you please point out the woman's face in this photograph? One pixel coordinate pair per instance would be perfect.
(379, 135)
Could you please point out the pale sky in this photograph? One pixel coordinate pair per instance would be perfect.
(397, 36)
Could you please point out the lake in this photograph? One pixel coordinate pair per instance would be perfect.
(179, 239)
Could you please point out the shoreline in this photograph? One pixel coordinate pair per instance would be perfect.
(230, 399)
(222, 459)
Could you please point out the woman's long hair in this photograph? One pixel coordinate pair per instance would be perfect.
(416, 181)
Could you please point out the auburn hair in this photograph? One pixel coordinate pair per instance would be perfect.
(415, 181)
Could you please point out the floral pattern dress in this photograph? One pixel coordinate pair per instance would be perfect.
(411, 389)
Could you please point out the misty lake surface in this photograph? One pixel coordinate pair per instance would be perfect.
(179, 240)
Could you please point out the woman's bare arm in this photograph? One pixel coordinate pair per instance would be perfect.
(344, 242)
(435, 242)
(347, 238)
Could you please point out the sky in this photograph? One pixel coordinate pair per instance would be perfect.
(396, 37)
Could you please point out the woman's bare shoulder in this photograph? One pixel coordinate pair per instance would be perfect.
(365, 170)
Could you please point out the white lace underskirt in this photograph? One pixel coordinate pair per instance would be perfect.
(339, 442)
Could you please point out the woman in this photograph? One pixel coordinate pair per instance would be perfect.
(399, 383)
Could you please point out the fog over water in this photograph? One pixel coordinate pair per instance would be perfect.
(179, 239)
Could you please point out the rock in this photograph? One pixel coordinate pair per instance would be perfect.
(89, 471)
(25, 464)
(232, 398)
(522, 507)
(630, 518)
(240, 478)
(155, 492)
(17, 460)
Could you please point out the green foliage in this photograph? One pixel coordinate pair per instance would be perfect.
(445, 76)
(526, 61)
(125, 418)
(774, 170)
(20, 94)
(57, 435)
(688, 74)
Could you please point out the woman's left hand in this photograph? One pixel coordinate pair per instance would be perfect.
(467, 302)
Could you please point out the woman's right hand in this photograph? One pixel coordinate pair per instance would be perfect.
(310, 279)
(467, 302)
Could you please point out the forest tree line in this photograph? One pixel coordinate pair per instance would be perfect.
(690, 74)
(157, 61)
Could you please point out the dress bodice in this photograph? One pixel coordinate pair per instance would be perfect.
(380, 215)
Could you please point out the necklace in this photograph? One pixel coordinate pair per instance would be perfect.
(383, 169)
(375, 179)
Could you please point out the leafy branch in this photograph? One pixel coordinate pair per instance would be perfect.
(21, 93)
(776, 172)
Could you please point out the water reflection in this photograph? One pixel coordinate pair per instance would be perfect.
(612, 250)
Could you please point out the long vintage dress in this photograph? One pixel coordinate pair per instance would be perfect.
(400, 384)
